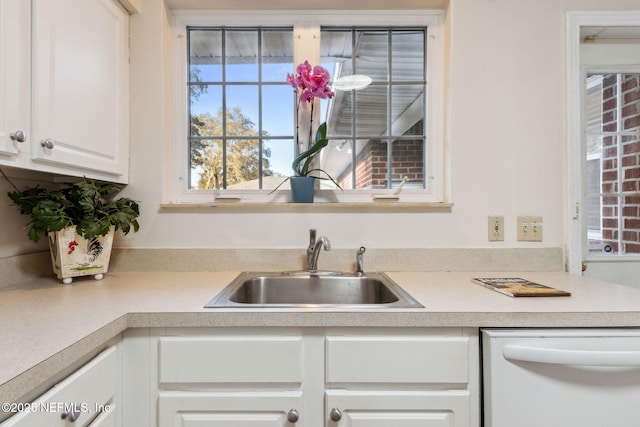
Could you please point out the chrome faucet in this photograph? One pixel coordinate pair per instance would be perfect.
(313, 251)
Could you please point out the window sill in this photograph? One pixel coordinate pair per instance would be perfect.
(375, 207)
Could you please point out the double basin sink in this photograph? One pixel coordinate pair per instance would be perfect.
(264, 290)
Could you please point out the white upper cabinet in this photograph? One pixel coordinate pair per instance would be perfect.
(64, 75)
(80, 85)
(14, 81)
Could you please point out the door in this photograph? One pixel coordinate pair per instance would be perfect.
(80, 84)
(604, 156)
(14, 79)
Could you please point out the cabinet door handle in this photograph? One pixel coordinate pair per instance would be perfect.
(335, 414)
(48, 143)
(293, 416)
(18, 136)
(72, 414)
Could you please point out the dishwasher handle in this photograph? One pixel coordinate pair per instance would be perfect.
(570, 357)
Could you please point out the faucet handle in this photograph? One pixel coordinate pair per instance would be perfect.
(312, 237)
(360, 261)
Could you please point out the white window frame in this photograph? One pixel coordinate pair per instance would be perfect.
(307, 26)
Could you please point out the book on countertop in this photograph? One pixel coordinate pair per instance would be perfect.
(518, 287)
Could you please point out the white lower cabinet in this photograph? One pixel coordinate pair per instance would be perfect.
(401, 381)
(230, 381)
(311, 378)
(88, 397)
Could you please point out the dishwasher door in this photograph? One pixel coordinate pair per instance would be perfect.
(561, 377)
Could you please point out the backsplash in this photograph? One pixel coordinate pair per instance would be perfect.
(21, 269)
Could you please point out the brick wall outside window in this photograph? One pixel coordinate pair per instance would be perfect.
(371, 163)
(629, 167)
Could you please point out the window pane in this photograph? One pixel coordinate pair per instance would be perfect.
(206, 164)
(407, 55)
(277, 111)
(372, 54)
(277, 159)
(277, 55)
(408, 162)
(205, 55)
(241, 56)
(371, 164)
(340, 119)
(206, 112)
(242, 165)
(337, 161)
(407, 109)
(242, 110)
(371, 111)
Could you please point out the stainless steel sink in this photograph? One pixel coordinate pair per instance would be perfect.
(373, 290)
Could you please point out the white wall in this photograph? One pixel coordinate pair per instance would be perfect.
(506, 140)
(13, 235)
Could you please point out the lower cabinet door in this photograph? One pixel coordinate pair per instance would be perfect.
(105, 419)
(397, 409)
(230, 409)
(85, 398)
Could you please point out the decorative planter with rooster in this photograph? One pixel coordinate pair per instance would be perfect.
(72, 255)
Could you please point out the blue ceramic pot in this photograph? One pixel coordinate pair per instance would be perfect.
(302, 189)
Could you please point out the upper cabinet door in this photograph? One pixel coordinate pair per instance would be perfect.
(80, 85)
(14, 80)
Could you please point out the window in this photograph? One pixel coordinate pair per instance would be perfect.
(612, 149)
(235, 116)
(240, 132)
(377, 133)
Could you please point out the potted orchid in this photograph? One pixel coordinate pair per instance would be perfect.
(309, 83)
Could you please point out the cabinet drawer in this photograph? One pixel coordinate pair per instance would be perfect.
(229, 409)
(91, 388)
(408, 359)
(438, 408)
(263, 359)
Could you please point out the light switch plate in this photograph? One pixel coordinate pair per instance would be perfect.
(495, 228)
(529, 228)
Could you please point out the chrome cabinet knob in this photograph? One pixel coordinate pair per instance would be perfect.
(18, 136)
(335, 414)
(48, 143)
(293, 416)
(73, 414)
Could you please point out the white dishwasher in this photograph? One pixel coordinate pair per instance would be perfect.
(561, 377)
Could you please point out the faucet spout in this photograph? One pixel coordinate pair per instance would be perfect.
(322, 242)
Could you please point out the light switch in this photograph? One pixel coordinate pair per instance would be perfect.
(529, 228)
(495, 228)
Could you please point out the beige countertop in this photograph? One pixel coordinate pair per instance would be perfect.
(46, 326)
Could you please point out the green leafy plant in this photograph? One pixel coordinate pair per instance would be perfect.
(87, 204)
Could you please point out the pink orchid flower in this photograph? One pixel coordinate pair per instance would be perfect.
(311, 82)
